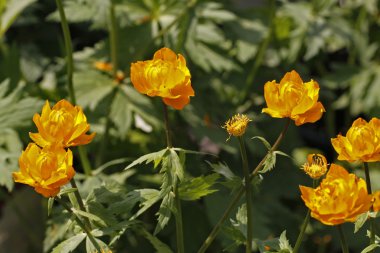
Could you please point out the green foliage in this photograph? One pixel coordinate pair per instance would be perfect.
(70, 244)
(9, 11)
(16, 111)
(196, 188)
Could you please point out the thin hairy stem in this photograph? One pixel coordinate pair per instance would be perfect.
(240, 192)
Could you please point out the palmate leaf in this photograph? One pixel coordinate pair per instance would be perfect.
(155, 157)
(198, 187)
(70, 244)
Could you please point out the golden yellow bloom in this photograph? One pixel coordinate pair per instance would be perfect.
(165, 76)
(103, 66)
(236, 125)
(292, 98)
(340, 197)
(63, 125)
(376, 201)
(316, 166)
(362, 142)
(45, 169)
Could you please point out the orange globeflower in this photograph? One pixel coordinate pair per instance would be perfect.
(362, 142)
(292, 98)
(45, 169)
(165, 76)
(340, 197)
(236, 125)
(316, 166)
(63, 125)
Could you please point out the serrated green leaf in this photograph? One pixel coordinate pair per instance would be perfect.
(155, 157)
(269, 163)
(198, 187)
(284, 243)
(264, 141)
(70, 244)
(370, 248)
(150, 197)
(360, 221)
(165, 212)
(175, 164)
(91, 87)
(90, 248)
(222, 169)
(10, 150)
(90, 216)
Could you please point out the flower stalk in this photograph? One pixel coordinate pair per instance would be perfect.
(79, 200)
(248, 194)
(86, 229)
(177, 200)
(70, 70)
(302, 232)
(240, 192)
(369, 190)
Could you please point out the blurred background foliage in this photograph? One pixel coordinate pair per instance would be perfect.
(232, 48)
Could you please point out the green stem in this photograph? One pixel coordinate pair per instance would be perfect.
(69, 50)
(302, 232)
(239, 194)
(167, 127)
(84, 160)
(343, 241)
(178, 223)
(369, 190)
(70, 70)
(260, 53)
(248, 194)
(177, 200)
(79, 200)
(113, 39)
(81, 224)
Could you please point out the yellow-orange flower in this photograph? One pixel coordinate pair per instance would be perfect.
(165, 76)
(340, 197)
(376, 201)
(292, 98)
(63, 125)
(45, 169)
(236, 125)
(316, 166)
(362, 142)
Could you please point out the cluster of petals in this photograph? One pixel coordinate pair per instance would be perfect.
(46, 165)
(294, 99)
(316, 166)
(64, 125)
(166, 76)
(45, 169)
(237, 125)
(361, 143)
(340, 197)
